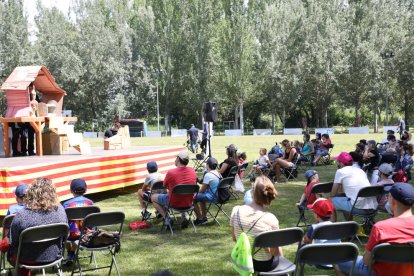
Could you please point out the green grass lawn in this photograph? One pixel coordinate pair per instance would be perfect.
(206, 252)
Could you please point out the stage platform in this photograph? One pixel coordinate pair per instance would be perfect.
(103, 170)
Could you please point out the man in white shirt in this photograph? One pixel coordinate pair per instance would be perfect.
(348, 181)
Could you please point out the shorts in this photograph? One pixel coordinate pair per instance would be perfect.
(202, 197)
(322, 152)
(163, 199)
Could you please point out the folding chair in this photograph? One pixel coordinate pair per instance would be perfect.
(278, 238)
(232, 173)
(6, 227)
(46, 235)
(326, 159)
(326, 253)
(242, 168)
(180, 189)
(368, 215)
(336, 231)
(321, 188)
(224, 184)
(291, 172)
(392, 253)
(79, 213)
(159, 185)
(97, 221)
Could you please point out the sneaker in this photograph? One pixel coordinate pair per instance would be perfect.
(69, 258)
(158, 215)
(184, 223)
(145, 214)
(200, 221)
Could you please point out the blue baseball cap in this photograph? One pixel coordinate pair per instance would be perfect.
(20, 190)
(152, 166)
(310, 173)
(78, 185)
(403, 192)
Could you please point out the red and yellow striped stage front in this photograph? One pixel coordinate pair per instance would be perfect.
(103, 170)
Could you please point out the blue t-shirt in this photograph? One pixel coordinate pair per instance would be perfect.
(15, 208)
(74, 225)
(212, 179)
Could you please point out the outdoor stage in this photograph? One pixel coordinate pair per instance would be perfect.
(102, 169)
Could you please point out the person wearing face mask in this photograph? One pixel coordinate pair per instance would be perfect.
(348, 181)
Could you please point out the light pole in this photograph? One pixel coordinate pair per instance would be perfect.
(386, 55)
(158, 108)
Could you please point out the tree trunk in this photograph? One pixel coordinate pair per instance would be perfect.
(376, 118)
(241, 118)
(273, 122)
(167, 122)
(406, 111)
(236, 117)
(325, 117)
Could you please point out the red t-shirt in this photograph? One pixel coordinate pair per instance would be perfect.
(311, 197)
(393, 230)
(180, 175)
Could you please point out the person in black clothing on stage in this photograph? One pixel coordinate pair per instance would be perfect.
(112, 131)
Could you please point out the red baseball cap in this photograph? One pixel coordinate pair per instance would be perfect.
(322, 207)
(344, 158)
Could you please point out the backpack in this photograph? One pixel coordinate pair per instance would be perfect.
(241, 255)
(223, 195)
(400, 176)
(101, 238)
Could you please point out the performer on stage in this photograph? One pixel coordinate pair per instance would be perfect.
(112, 131)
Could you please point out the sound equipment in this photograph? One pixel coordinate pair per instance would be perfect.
(210, 112)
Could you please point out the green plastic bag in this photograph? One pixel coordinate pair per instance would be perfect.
(241, 256)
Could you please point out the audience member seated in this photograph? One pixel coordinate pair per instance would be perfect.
(307, 198)
(323, 148)
(231, 160)
(307, 148)
(348, 181)
(405, 162)
(389, 132)
(182, 174)
(371, 159)
(144, 194)
(78, 188)
(275, 152)
(261, 164)
(360, 148)
(253, 219)
(384, 171)
(391, 143)
(356, 159)
(286, 161)
(20, 194)
(42, 207)
(399, 229)
(323, 210)
(242, 159)
(207, 191)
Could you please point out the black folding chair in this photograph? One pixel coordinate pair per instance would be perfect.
(78, 214)
(326, 159)
(159, 185)
(232, 173)
(326, 253)
(224, 185)
(336, 231)
(44, 235)
(242, 167)
(321, 188)
(367, 215)
(392, 253)
(180, 189)
(291, 172)
(6, 227)
(97, 221)
(278, 238)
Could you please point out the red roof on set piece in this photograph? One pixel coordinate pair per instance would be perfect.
(22, 76)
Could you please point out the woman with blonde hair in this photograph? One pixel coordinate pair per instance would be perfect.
(42, 207)
(253, 219)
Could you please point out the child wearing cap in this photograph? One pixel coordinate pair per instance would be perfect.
(312, 178)
(385, 170)
(323, 210)
(144, 194)
(20, 193)
(78, 188)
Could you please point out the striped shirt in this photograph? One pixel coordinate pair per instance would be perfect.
(248, 216)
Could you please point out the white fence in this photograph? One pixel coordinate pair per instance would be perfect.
(155, 133)
(325, 130)
(262, 131)
(232, 132)
(178, 132)
(292, 131)
(386, 128)
(358, 130)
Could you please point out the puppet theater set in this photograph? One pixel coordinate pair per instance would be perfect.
(62, 155)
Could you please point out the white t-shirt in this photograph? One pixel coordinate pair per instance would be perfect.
(352, 180)
(262, 161)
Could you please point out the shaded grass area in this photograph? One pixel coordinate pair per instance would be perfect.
(206, 252)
